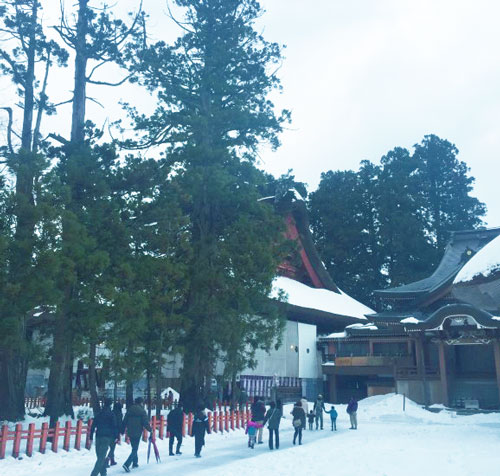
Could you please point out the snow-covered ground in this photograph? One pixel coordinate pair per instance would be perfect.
(389, 442)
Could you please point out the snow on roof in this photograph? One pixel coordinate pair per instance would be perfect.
(296, 194)
(484, 262)
(320, 299)
(410, 320)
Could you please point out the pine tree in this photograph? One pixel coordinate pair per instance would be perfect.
(26, 57)
(446, 186)
(213, 112)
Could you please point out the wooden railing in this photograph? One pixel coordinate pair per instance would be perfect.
(72, 433)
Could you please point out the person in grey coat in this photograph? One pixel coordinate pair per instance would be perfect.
(135, 421)
(273, 419)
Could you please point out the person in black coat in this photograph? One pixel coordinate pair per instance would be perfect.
(117, 410)
(200, 426)
(175, 421)
(273, 418)
(105, 428)
(299, 421)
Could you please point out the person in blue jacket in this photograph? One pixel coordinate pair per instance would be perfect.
(333, 416)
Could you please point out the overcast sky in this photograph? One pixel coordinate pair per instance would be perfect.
(364, 76)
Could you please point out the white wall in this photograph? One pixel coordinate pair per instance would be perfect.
(308, 354)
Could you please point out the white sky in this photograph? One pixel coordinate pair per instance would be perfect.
(362, 77)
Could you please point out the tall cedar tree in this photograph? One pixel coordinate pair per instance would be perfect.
(213, 112)
(387, 225)
(85, 171)
(26, 56)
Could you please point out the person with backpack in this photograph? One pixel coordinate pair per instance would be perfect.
(333, 416)
(134, 423)
(273, 420)
(200, 426)
(352, 410)
(117, 410)
(258, 413)
(105, 428)
(319, 408)
(298, 421)
(175, 422)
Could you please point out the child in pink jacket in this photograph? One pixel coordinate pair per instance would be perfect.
(251, 430)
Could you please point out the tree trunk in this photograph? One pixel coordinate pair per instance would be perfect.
(158, 389)
(148, 391)
(13, 371)
(56, 401)
(80, 85)
(94, 399)
(129, 393)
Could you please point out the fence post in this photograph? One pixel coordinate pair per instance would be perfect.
(231, 415)
(215, 421)
(55, 437)
(31, 436)
(221, 422)
(78, 435)
(17, 440)
(237, 419)
(3, 440)
(209, 422)
(153, 427)
(43, 438)
(88, 441)
(162, 427)
(190, 424)
(67, 435)
(184, 424)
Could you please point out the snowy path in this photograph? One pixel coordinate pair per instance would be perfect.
(388, 443)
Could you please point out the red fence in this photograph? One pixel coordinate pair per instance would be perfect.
(72, 435)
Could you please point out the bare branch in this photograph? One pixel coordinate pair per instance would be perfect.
(105, 83)
(96, 101)
(59, 138)
(93, 70)
(9, 128)
(177, 22)
(41, 105)
(63, 102)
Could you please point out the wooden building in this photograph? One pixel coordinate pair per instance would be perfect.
(436, 340)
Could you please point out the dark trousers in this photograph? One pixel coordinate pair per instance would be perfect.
(177, 435)
(112, 447)
(101, 448)
(319, 419)
(276, 438)
(310, 425)
(298, 432)
(334, 424)
(198, 444)
(134, 443)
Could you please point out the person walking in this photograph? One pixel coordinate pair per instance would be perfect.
(200, 426)
(105, 428)
(273, 419)
(298, 421)
(134, 423)
(352, 410)
(258, 413)
(175, 422)
(310, 419)
(305, 406)
(117, 411)
(333, 417)
(319, 408)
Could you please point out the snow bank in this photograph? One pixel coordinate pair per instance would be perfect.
(483, 263)
(409, 320)
(320, 299)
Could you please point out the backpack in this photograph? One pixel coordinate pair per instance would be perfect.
(297, 423)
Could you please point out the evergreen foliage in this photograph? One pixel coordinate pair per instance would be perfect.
(387, 224)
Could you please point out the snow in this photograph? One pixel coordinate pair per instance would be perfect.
(370, 326)
(410, 320)
(496, 318)
(388, 442)
(320, 299)
(483, 263)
